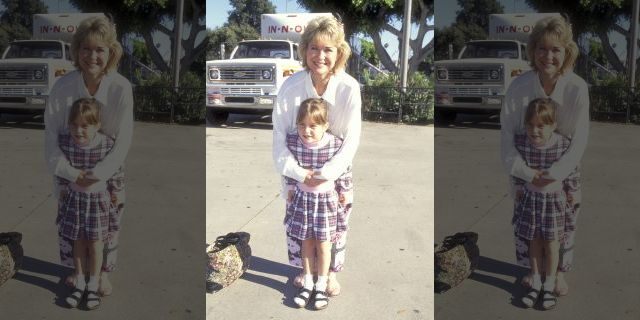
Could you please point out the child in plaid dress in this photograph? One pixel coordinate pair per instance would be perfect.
(84, 213)
(313, 213)
(541, 213)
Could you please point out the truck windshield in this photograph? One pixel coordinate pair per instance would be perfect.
(46, 49)
(491, 49)
(274, 49)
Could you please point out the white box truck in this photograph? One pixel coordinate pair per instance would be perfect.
(478, 80)
(29, 68)
(249, 81)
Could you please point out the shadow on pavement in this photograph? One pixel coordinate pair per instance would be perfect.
(476, 121)
(489, 265)
(34, 265)
(21, 121)
(246, 121)
(275, 268)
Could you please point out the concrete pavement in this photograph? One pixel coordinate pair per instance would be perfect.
(388, 272)
(161, 260)
(471, 194)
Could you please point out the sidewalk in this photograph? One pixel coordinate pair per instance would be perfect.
(388, 273)
(162, 240)
(471, 194)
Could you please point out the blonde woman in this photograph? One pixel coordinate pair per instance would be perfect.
(553, 53)
(96, 53)
(324, 52)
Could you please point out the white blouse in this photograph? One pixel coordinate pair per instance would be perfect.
(572, 94)
(344, 104)
(116, 95)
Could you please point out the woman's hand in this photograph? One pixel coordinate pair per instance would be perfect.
(541, 179)
(86, 179)
(312, 181)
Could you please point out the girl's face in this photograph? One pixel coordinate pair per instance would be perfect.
(310, 131)
(93, 57)
(549, 56)
(539, 132)
(83, 132)
(321, 56)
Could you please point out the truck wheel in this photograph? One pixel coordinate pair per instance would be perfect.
(445, 116)
(216, 117)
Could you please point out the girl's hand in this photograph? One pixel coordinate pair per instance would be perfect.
(289, 196)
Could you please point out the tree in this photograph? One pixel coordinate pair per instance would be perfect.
(16, 22)
(243, 24)
(456, 35)
(476, 12)
(144, 17)
(375, 16)
(249, 11)
(368, 52)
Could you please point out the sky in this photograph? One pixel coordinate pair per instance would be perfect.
(217, 13)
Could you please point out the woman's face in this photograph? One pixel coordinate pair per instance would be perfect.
(549, 56)
(321, 56)
(93, 57)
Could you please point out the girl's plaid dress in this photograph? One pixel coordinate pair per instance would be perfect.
(316, 215)
(542, 214)
(85, 215)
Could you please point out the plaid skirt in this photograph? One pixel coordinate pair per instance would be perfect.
(85, 215)
(541, 215)
(312, 215)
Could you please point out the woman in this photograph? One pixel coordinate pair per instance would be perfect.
(324, 52)
(553, 53)
(96, 52)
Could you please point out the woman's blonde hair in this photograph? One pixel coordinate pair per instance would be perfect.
(330, 29)
(100, 29)
(553, 28)
(313, 109)
(543, 109)
(87, 109)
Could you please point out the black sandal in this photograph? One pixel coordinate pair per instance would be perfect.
(302, 297)
(73, 300)
(92, 296)
(546, 297)
(532, 295)
(320, 296)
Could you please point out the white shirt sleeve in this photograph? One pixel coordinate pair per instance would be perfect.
(339, 163)
(510, 118)
(54, 114)
(561, 169)
(108, 166)
(283, 159)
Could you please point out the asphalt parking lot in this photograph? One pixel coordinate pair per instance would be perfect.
(471, 194)
(390, 248)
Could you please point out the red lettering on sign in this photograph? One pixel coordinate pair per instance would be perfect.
(298, 29)
(526, 29)
(272, 29)
(285, 28)
(71, 29)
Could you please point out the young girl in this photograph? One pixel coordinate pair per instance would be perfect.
(85, 212)
(540, 212)
(312, 212)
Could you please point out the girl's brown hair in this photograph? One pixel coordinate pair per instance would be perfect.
(87, 109)
(314, 109)
(325, 28)
(543, 109)
(100, 29)
(553, 28)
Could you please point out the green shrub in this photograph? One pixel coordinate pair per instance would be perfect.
(383, 100)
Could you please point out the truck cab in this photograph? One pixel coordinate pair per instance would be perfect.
(28, 69)
(477, 81)
(249, 81)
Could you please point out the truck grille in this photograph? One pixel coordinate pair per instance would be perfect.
(23, 73)
(468, 74)
(240, 74)
(254, 91)
(469, 91)
(20, 91)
